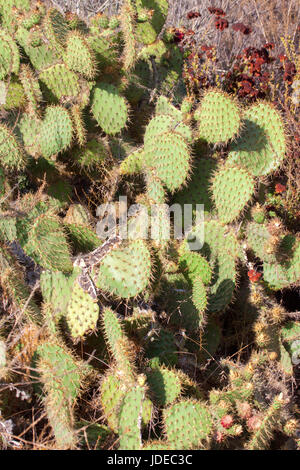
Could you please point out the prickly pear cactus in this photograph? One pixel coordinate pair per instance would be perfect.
(125, 272)
(109, 108)
(192, 416)
(218, 116)
(82, 312)
(60, 377)
(261, 145)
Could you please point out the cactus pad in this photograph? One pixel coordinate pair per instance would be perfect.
(82, 312)
(164, 385)
(218, 117)
(109, 108)
(56, 131)
(11, 154)
(9, 55)
(192, 416)
(78, 55)
(61, 380)
(168, 154)
(47, 231)
(60, 80)
(232, 187)
(262, 144)
(125, 272)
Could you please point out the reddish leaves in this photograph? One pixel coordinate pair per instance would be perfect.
(247, 88)
(216, 11)
(289, 69)
(269, 45)
(282, 58)
(289, 72)
(280, 188)
(253, 275)
(221, 23)
(206, 48)
(242, 28)
(193, 14)
(255, 58)
(178, 35)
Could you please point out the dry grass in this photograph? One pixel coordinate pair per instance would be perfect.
(270, 19)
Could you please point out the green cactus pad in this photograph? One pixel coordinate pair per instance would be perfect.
(31, 20)
(29, 127)
(60, 192)
(130, 417)
(55, 28)
(164, 123)
(47, 231)
(61, 380)
(158, 445)
(197, 191)
(11, 154)
(31, 88)
(109, 108)
(290, 345)
(169, 156)
(113, 391)
(15, 96)
(199, 295)
(262, 144)
(91, 155)
(93, 435)
(210, 340)
(162, 349)
(41, 56)
(261, 438)
(56, 289)
(133, 163)
(83, 238)
(232, 188)
(282, 267)
(60, 80)
(140, 82)
(8, 231)
(155, 190)
(56, 131)
(221, 249)
(9, 55)
(178, 303)
(194, 265)
(192, 416)
(128, 26)
(164, 384)
(33, 210)
(78, 125)
(280, 275)
(118, 344)
(218, 116)
(78, 55)
(257, 237)
(125, 272)
(164, 106)
(105, 47)
(82, 312)
(78, 214)
(13, 285)
(147, 31)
